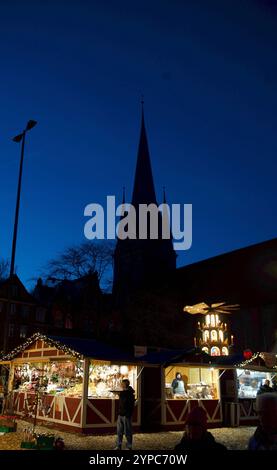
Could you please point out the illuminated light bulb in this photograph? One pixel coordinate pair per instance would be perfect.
(124, 370)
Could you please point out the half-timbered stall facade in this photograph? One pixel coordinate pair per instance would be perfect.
(183, 379)
(70, 382)
(225, 386)
(242, 379)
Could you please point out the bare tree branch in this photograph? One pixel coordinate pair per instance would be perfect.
(80, 260)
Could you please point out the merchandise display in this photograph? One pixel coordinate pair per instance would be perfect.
(65, 378)
(105, 379)
(193, 383)
(250, 381)
(55, 378)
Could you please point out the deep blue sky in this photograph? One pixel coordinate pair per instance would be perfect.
(208, 72)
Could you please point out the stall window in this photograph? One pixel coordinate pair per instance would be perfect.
(250, 381)
(220, 334)
(198, 383)
(225, 351)
(212, 320)
(205, 349)
(55, 378)
(105, 379)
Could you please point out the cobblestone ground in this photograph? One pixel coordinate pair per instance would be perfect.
(232, 438)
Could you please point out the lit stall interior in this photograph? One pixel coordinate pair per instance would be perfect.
(250, 381)
(105, 379)
(66, 378)
(198, 383)
(54, 378)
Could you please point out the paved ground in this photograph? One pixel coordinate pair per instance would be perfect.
(232, 438)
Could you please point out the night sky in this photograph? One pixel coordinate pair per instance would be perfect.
(208, 72)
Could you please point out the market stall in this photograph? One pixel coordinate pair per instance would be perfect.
(242, 379)
(70, 382)
(198, 384)
(201, 387)
(251, 377)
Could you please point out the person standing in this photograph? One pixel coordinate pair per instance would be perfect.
(125, 412)
(178, 386)
(265, 388)
(265, 436)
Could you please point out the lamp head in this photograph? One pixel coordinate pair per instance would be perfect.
(31, 124)
(18, 138)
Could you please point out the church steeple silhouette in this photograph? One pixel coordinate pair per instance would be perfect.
(139, 263)
(144, 190)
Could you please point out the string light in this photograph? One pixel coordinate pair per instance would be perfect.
(248, 361)
(40, 337)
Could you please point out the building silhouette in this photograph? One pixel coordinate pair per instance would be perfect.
(139, 263)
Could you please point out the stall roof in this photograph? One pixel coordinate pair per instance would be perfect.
(90, 348)
(175, 356)
(196, 356)
(94, 348)
(232, 360)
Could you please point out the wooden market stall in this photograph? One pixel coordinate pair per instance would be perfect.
(70, 382)
(241, 383)
(225, 386)
(168, 410)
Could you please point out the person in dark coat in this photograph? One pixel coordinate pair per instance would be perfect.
(196, 437)
(265, 436)
(125, 411)
(265, 388)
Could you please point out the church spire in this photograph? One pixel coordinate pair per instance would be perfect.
(144, 190)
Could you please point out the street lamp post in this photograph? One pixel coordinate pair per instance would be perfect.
(18, 138)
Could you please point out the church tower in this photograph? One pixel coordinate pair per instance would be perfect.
(140, 263)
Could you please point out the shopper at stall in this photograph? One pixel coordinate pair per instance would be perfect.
(196, 437)
(125, 411)
(265, 388)
(178, 385)
(265, 436)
